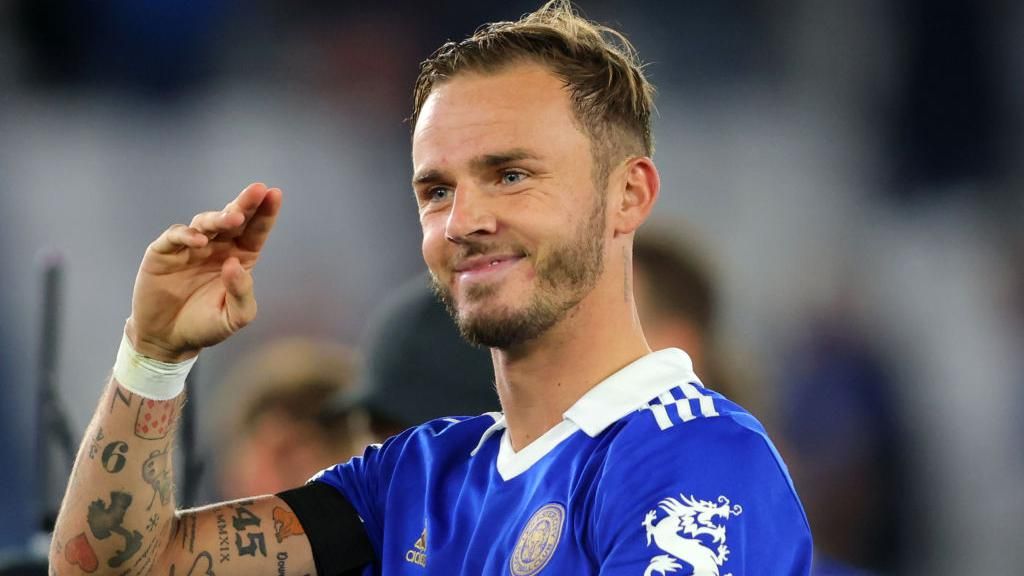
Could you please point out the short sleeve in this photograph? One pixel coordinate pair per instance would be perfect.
(363, 481)
(711, 496)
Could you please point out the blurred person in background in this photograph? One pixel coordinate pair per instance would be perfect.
(275, 431)
(678, 301)
(845, 438)
(417, 368)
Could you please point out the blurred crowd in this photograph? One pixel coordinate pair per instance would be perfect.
(838, 243)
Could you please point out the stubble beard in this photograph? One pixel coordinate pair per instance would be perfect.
(564, 277)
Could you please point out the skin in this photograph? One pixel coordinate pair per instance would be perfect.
(194, 289)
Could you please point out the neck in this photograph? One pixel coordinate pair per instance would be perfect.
(539, 380)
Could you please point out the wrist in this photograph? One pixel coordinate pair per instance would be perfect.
(148, 377)
(153, 350)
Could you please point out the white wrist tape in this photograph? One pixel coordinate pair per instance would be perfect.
(147, 377)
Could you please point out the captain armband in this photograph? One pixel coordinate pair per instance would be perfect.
(335, 532)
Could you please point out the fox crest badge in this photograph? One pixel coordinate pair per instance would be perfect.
(688, 531)
(538, 541)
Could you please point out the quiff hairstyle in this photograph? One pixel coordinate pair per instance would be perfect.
(611, 98)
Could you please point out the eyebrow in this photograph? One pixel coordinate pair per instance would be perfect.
(481, 162)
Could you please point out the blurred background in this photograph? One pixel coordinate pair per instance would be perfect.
(851, 171)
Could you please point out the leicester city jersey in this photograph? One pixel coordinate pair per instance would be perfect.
(649, 473)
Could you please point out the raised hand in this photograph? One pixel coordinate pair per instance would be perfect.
(195, 287)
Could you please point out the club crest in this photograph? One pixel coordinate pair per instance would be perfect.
(538, 541)
(688, 532)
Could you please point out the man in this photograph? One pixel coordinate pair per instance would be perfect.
(531, 148)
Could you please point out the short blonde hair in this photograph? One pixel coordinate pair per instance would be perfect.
(612, 99)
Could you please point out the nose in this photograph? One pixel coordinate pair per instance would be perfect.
(471, 215)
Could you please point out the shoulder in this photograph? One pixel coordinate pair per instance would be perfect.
(449, 432)
(689, 469)
(454, 435)
(693, 420)
(696, 435)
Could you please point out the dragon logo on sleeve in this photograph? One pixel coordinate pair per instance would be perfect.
(689, 533)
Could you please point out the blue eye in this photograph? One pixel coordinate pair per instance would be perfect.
(438, 194)
(512, 177)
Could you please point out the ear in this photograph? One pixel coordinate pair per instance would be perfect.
(637, 194)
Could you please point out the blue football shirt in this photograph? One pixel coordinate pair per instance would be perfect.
(649, 473)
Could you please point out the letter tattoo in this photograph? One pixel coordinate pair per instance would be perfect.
(123, 395)
(224, 546)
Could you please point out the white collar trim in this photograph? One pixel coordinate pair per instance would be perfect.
(625, 391)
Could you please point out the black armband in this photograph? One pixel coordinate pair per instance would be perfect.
(335, 532)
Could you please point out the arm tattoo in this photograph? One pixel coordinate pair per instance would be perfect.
(242, 521)
(78, 552)
(285, 524)
(113, 458)
(201, 566)
(222, 538)
(124, 396)
(94, 446)
(156, 474)
(154, 419)
(106, 520)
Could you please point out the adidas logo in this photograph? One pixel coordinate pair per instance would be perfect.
(418, 553)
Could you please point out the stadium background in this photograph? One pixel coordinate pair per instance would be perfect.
(853, 168)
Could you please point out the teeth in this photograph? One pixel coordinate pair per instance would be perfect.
(493, 262)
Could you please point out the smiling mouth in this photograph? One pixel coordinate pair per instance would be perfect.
(486, 270)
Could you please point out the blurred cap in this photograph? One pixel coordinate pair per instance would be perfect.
(417, 366)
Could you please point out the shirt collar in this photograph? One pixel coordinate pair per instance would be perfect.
(625, 391)
(630, 389)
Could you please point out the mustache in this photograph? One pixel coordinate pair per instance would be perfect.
(471, 248)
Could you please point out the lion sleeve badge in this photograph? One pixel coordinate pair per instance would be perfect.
(692, 535)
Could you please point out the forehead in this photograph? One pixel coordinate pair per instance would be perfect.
(521, 106)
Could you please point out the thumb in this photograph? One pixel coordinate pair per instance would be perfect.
(240, 301)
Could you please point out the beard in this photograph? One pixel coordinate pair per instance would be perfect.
(564, 277)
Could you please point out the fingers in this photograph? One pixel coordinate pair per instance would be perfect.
(262, 221)
(176, 238)
(249, 217)
(211, 224)
(248, 200)
(240, 303)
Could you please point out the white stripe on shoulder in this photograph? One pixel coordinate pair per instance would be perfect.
(690, 402)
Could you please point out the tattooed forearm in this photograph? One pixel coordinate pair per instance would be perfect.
(118, 516)
(107, 524)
